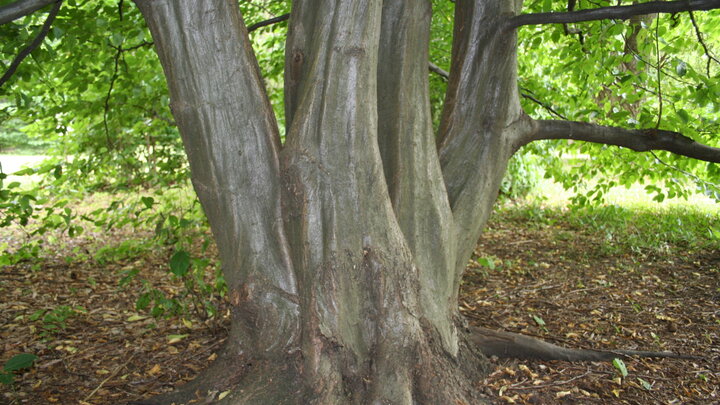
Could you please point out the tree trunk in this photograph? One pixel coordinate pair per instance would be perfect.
(343, 248)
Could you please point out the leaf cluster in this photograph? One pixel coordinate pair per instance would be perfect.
(649, 72)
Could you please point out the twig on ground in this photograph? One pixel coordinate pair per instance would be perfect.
(112, 375)
(530, 387)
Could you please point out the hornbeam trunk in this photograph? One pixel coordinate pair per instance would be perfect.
(343, 247)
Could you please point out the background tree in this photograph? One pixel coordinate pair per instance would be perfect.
(343, 247)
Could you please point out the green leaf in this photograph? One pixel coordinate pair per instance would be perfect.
(547, 6)
(129, 276)
(20, 361)
(620, 366)
(6, 378)
(645, 384)
(143, 301)
(180, 263)
(683, 115)
(36, 315)
(148, 201)
(538, 320)
(116, 39)
(176, 338)
(486, 262)
(24, 172)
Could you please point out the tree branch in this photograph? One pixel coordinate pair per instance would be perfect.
(699, 35)
(439, 71)
(267, 22)
(615, 12)
(21, 8)
(34, 44)
(542, 104)
(639, 140)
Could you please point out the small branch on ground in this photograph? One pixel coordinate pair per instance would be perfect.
(614, 12)
(639, 140)
(112, 375)
(555, 384)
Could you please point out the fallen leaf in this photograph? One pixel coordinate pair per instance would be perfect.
(135, 318)
(155, 370)
(172, 339)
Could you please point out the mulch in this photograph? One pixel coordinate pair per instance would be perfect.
(555, 282)
(565, 286)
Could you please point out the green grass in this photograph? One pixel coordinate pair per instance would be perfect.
(553, 195)
(628, 221)
(25, 151)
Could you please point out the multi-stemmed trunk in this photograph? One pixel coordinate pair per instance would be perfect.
(343, 248)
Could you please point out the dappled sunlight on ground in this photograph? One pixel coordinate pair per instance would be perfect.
(553, 194)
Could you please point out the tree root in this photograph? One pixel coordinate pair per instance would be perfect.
(233, 380)
(511, 345)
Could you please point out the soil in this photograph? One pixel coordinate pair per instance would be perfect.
(554, 282)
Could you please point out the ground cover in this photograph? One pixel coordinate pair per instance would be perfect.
(605, 278)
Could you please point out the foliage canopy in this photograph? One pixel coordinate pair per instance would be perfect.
(94, 90)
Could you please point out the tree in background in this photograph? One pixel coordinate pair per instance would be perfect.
(344, 246)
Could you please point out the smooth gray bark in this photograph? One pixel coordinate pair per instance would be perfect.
(338, 247)
(343, 248)
(411, 163)
(639, 140)
(21, 8)
(482, 121)
(231, 139)
(357, 278)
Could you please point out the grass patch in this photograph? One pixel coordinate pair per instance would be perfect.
(630, 221)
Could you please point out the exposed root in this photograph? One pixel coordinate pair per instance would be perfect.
(437, 378)
(442, 379)
(512, 345)
(426, 375)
